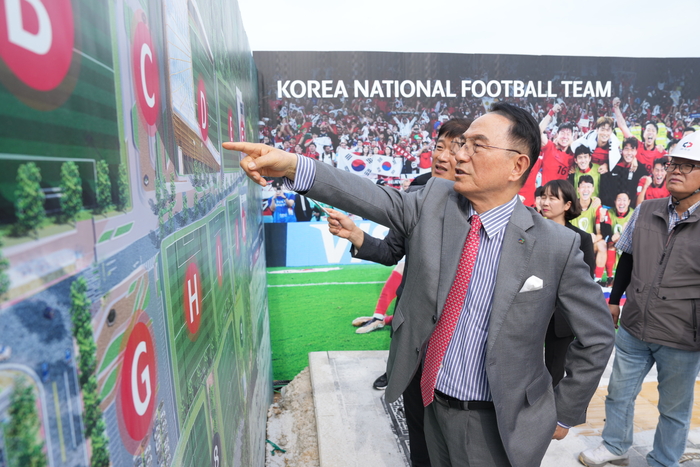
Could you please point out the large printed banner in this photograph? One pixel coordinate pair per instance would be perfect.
(607, 123)
(133, 323)
(302, 244)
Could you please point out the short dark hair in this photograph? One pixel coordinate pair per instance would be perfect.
(632, 141)
(564, 190)
(582, 149)
(660, 161)
(539, 191)
(524, 130)
(566, 126)
(656, 127)
(454, 128)
(689, 128)
(585, 179)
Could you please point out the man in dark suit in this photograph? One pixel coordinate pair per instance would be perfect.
(492, 402)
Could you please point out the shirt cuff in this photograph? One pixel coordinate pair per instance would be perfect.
(562, 425)
(304, 178)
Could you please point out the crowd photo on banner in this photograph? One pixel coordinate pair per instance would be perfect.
(612, 149)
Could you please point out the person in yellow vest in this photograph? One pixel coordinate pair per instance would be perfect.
(590, 213)
(617, 218)
(584, 166)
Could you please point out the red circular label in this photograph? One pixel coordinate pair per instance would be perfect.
(146, 82)
(193, 299)
(36, 40)
(138, 382)
(219, 261)
(202, 109)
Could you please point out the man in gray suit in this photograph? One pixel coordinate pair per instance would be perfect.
(492, 403)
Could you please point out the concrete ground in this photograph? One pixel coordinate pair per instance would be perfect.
(355, 429)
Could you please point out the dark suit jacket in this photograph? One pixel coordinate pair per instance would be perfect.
(561, 327)
(435, 222)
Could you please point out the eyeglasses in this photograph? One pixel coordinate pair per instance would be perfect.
(684, 168)
(473, 147)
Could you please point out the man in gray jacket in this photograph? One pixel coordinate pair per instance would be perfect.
(492, 403)
(660, 270)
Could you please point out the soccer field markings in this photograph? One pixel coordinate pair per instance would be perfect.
(302, 271)
(327, 283)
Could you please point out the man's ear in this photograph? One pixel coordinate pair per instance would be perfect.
(520, 164)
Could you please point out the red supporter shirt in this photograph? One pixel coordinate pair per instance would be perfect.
(426, 159)
(528, 189)
(601, 156)
(652, 191)
(555, 163)
(647, 157)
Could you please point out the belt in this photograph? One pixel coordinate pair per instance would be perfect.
(451, 402)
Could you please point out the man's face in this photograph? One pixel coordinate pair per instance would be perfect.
(584, 190)
(622, 202)
(405, 184)
(564, 137)
(604, 133)
(583, 161)
(443, 159)
(629, 153)
(650, 135)
(312, 147)
(658, 173)
(485, 172)
(681, 185)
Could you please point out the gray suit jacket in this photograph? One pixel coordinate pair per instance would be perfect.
(434, 221)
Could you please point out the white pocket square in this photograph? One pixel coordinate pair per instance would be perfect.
(532, 283)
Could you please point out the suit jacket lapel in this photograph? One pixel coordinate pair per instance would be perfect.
(512, 268)
(454, 234)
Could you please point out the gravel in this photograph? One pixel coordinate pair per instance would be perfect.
(291, 425)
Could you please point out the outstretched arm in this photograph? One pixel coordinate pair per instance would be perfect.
(547, 120)
(620, 118)
(342, 226)
(387, 251)
(264, 161)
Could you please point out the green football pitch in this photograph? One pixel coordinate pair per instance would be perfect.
(311, 310)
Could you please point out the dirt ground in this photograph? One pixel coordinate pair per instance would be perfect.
(291, 425)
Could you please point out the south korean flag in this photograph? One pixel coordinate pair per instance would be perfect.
(385, 165)
(354, 163)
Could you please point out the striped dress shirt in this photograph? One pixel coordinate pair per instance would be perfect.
(463, 372)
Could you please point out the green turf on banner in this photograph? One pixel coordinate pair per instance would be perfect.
(316, 313)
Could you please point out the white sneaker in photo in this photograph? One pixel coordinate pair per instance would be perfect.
(600, 456)
(361, 320)
(370, 326)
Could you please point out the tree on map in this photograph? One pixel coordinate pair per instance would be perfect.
(71, 191)
(21, 433)
(104, 187)
(172, 187)
(4, 278)
(91, 401)
(122, 188)
(185, 209)
(29, 199)
(100, 453)
(87, 363)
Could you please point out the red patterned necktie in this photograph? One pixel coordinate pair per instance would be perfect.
(450, 313)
